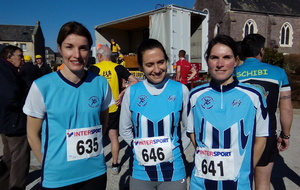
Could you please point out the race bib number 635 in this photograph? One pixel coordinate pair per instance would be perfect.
(84, 143)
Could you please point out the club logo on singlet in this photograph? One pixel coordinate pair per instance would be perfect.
(94, 102)
(142, 100)
(207, 102)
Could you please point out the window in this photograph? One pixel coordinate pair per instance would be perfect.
(250, 27)
(286, 35)
(23, 47)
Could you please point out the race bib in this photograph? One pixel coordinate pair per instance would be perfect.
(84, 143)
(214, 164)
(153, 151)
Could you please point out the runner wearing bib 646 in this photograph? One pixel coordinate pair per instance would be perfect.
(151, 113)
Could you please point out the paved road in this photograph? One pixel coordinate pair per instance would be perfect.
(286, 173)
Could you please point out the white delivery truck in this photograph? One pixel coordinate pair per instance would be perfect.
(174, 26)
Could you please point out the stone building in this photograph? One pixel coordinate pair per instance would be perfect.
(277, 20)
(27, 37)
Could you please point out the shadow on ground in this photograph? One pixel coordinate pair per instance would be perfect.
(280, 171)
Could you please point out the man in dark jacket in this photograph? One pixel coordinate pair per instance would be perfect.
(45, 69)
(29, 71)
(16, 152)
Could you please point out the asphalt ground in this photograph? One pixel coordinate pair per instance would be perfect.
(285, 175)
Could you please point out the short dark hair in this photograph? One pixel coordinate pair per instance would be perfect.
(147, 45)
(182, 53)
(73, 28)
(221, 39)
(252, 44)
(239, 50)
(8, 51)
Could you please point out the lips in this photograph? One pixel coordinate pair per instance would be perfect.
(76, 62)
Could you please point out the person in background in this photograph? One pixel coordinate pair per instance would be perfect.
(114, 73)
(183, 69)
(45, 69)
(228, 124)
(91, 61)
(121, 60)
(240, 58)
(273, 81)
(29, 71)
(115, 49)
(67, 113)
(151, 111)
(16, 153)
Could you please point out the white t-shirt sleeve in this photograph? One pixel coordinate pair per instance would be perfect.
(34, 104)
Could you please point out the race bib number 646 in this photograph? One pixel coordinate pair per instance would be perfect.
(84, 143)
(153, 150)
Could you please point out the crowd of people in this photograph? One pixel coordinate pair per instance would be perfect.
(63, 116)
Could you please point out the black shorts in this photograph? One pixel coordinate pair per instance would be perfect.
(113, 119)
(270, 153)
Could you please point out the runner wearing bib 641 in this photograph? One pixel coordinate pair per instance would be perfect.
(228, 124)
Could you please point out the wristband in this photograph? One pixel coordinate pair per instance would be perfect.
(284, 136)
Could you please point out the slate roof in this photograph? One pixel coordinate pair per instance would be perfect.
(285, 7)
(16, 33)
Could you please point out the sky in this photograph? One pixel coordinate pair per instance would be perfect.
(52, 14)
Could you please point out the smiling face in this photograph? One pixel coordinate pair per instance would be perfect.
(75, 52)
(221, 63)
(154, 65)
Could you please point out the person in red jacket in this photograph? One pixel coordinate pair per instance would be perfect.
(183, 68)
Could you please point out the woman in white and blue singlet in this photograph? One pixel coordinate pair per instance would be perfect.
(228, 123)
(151, 113)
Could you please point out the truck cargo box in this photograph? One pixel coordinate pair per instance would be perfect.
(174, 26)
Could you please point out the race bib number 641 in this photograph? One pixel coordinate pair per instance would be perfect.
(84, 143)
(214, 164)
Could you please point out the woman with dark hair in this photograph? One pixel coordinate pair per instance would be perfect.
(67, 116)
(16, 153)
(228, 123)
(151, 113)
